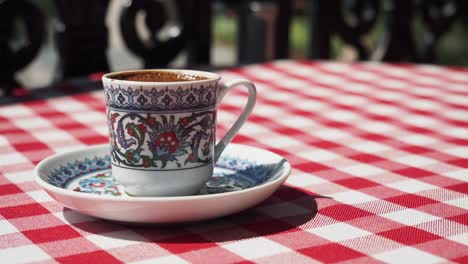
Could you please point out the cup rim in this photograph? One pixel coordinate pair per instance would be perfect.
(209, 75)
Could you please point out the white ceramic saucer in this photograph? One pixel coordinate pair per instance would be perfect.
(82, 180)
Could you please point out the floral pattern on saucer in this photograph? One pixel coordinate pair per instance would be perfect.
(102, 183)
(237, 174)
(94, 176)
(62, 176)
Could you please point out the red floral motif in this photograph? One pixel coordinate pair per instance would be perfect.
(150, 120)
(191, 157)
(113, 119)
(163, 139)
(168, 140)
(99, 184)
(184, 121)
(142, 128)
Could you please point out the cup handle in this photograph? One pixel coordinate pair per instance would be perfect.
(243, 116)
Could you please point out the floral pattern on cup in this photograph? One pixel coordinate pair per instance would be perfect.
(140, 140)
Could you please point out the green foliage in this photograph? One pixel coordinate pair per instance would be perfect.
(225, 30)
(299, 38)
(452, 48)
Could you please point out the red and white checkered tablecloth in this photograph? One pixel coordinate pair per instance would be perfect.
(380, 170)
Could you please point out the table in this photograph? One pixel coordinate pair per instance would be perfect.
(380, 169)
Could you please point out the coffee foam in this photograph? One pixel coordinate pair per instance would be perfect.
(156, 76)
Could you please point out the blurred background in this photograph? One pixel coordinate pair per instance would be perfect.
(43, 42)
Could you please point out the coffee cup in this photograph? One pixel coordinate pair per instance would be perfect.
(162, 126)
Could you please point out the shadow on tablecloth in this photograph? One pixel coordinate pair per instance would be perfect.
(287, 209)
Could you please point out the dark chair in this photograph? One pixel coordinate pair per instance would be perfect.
(352, 20)
(81, 35)
(15, 58)
(255, 44)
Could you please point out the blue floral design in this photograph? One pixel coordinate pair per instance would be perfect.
(130, 93)
(142, 100)
(102, 183)
(121, 99)
(161, 98)
(167, 100)
(209, 96)
(154, 95)
(179, 93)
(191, 99)
(231, 174)
(62, 176)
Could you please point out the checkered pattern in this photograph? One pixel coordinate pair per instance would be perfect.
(380, 168)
